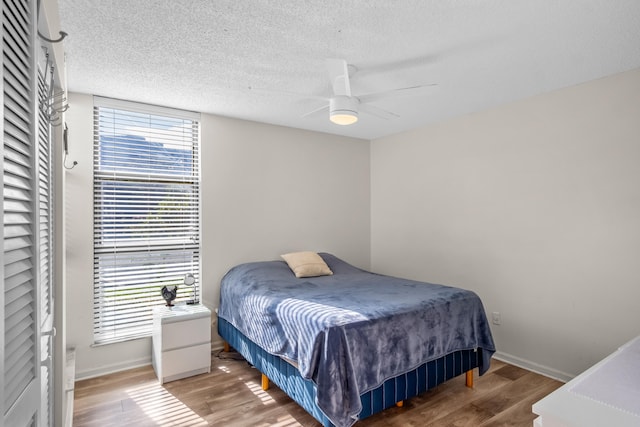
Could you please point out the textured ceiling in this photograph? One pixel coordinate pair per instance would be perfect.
(249, 59)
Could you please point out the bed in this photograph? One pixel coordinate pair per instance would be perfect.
(350, 344)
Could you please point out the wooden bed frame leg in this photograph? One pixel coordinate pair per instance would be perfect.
(265, 382)
(225, 347)
(469, 378)
(400, 404)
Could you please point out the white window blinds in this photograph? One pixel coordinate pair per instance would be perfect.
(146, 213)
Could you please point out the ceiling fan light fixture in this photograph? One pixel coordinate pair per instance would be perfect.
(343, 110)
(344, 119)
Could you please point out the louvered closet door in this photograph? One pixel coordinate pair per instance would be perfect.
(45, 245)
(21, 390)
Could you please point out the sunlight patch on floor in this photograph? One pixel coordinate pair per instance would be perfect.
(163, 408)
(224, 369)
(287, 421)
(260, 393)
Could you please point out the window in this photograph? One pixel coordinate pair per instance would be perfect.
(146, 213)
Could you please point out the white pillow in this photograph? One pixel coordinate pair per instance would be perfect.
(307, 264)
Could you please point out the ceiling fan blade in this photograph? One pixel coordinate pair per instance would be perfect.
(317, 110)
(339, 77)
(378, 112)
(403, 91)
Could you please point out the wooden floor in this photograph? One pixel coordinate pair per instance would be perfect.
(231, 395)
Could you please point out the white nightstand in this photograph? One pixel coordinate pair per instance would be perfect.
(181, 341)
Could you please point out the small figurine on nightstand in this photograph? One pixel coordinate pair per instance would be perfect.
(169, 293)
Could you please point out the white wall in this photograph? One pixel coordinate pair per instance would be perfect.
(536, 207)
(266, 190)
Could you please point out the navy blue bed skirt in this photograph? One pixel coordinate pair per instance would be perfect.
(402, 387)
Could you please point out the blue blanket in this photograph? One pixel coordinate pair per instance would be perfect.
(350, 332)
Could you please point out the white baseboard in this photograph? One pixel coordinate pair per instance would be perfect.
(123, 366)
(216, 345)
(533, 367)
(110, 369)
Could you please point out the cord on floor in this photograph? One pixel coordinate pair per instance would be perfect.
(228, 355)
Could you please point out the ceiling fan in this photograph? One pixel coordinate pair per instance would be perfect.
(344, 107)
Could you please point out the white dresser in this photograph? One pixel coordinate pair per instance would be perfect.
(607, 394)
(181, 341)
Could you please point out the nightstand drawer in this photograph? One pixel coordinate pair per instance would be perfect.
(186, 360)
(181, 334)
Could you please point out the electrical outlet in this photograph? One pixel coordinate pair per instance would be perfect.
(496, 319)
